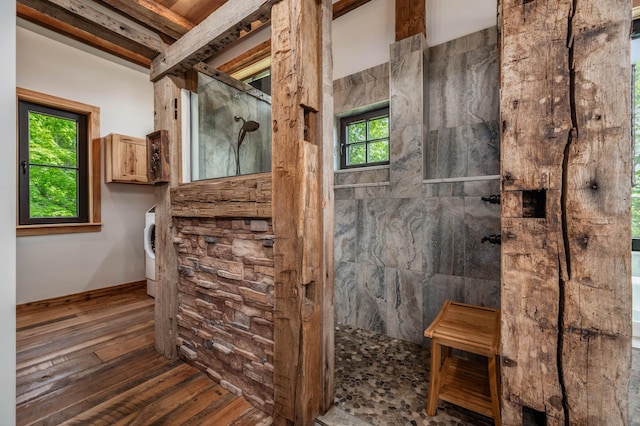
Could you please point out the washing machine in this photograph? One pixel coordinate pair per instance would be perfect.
(150, 250)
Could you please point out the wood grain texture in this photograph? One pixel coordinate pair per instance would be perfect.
(565, 276)
(325, 127)
(81, 14)
(84, 36)
(155, 15)
(167, 117)
(125, 159)
(158, 161)
(298, 29)
(411, 18)
(217, 31)
(242, 196)
(342, 7)
(96, 365)
(251, 56)
(263, 50)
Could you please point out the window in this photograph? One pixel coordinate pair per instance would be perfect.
(261, 81)
(364, 139)
(58, 165)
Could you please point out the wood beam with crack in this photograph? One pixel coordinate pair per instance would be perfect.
(153, 15)
(81, 15)
(82, 36)
(210, 36)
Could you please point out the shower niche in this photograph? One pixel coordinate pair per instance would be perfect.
(228, 131)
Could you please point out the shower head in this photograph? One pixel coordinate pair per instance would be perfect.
(250, 126)
(247, 126)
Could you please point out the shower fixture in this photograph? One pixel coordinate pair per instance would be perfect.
(247, 127)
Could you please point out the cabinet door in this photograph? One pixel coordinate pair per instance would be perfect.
(126, 159)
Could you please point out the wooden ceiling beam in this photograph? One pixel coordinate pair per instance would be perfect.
(80, 14)
(411, 18)
(343, 7)
(251, 56)
(154, 15)
(77, 34)
(210, 36)
(263, 50)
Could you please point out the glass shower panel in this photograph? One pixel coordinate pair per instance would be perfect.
(231, 130)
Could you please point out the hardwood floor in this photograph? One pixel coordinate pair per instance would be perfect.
(91, 361)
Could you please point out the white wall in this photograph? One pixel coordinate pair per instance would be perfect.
(56, 265)
(361, 38)
(7, 212)
(451, 19)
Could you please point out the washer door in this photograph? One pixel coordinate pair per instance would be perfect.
(150, 240)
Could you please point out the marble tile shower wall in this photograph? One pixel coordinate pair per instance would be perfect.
(399, 255)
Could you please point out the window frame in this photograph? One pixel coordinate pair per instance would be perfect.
(366, 116)
(93, 217)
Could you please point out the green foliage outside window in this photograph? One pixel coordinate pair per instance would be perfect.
(367, 140)
(53, 174)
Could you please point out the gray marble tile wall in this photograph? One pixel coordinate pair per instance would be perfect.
(407, 108)
(463, 137)
(362, 89)
(404, 245)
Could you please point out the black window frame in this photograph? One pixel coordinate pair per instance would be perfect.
(24, 165)
(365, 116)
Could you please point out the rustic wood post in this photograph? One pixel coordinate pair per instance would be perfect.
(566, 173)
(326, 124)
(302, 206)
(411, 18)
(167, 117)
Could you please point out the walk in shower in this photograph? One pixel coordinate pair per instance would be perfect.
(229, 129)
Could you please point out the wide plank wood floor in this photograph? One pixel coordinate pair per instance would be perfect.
(92, 362)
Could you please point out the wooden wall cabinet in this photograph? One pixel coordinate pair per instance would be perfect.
(125, 159)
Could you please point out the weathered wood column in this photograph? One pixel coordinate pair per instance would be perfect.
(565, 159)
(167, 117)
(302, 204)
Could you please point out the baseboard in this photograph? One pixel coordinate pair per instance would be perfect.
(86, 295)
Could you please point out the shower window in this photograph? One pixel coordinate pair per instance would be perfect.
(364, 139)
(230, 131)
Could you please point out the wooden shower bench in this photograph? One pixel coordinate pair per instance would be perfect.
(470, 384)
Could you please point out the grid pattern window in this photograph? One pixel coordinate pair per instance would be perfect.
(53, 165)
(364, 139)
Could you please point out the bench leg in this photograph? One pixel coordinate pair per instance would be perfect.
(434, 380)
(494, 389)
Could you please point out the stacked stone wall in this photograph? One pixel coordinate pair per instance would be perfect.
(226, 302)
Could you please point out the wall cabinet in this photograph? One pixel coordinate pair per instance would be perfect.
(125, 159)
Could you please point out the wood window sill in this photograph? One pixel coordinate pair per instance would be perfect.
(65, 228)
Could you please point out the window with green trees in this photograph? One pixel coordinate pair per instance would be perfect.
(364, 139)
(52, 169)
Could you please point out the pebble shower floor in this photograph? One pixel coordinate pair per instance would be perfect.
(384, 381)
